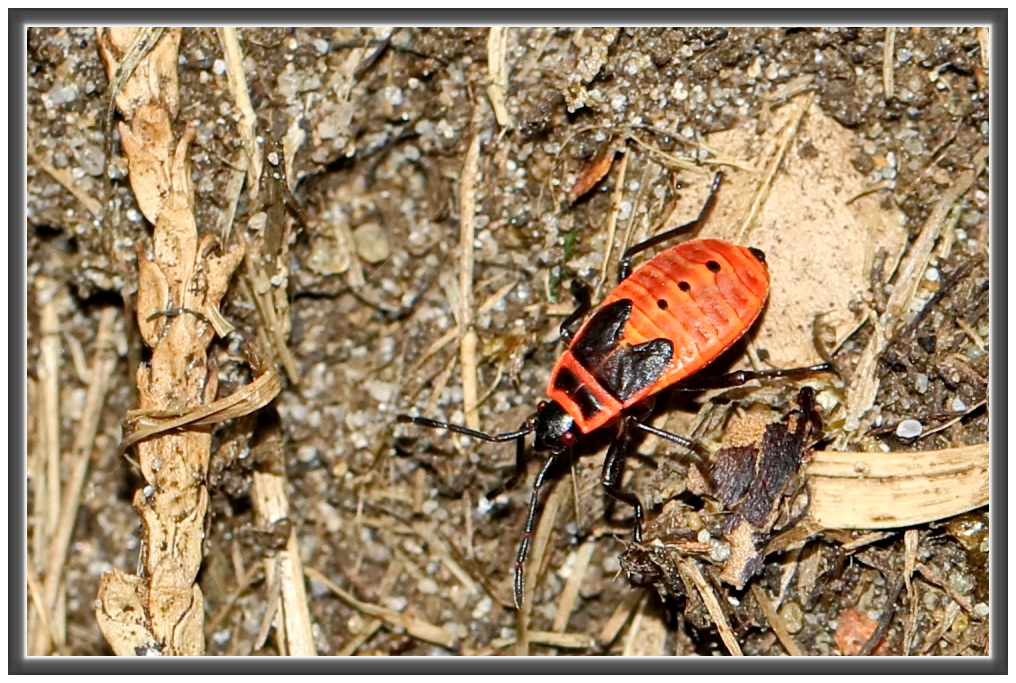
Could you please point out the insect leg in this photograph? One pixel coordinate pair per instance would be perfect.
(613, 468)
(624, 269)
(527, 534)
(580, 290)
(739, 377)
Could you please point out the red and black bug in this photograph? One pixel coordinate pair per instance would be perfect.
(664, 322)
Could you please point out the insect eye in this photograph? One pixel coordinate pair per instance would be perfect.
(713, 266)
(568, 439)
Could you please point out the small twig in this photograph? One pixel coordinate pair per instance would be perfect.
(414, 626)
(887, 616)
(691, 571)
(237, 80)
(360, 638)
(776, 622)
(242, 584)
(934, 578)
(569, 596)
(442, 549)
(888, 53)
(581, 641)
(863, 388)
(285, 569)
(766, 182)
(911, 539)
(615, 207)
(467, 234)
(942, 625)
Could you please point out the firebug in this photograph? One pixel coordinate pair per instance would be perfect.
(665, 321)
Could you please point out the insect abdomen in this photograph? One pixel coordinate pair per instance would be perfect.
(668, 319)
(702, 295)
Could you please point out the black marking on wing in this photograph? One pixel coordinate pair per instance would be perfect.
(602, 333)
(621, 369)
(585, 399)
(587, 402)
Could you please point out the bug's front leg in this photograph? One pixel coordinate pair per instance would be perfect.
(624, 269)
(583, 302)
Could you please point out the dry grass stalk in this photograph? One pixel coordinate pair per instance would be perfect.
(888, 54)
(161, 610)
(569, 596)
(538, 557)
(283, 570)
(777, 623)
(691, 572)
(45, 465)
(248, 120)
(629, 604)
(413, 626)
(863, 388)
(647, 636)
(466, 313)
(766, 183)
(497, 64)
(616, 197)
(45, 639)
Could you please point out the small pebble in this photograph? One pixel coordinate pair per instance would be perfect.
(909, 429)
(371, 243)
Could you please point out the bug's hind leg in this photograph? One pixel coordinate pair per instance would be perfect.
(624, 270)
(583, 302)
(739, 377)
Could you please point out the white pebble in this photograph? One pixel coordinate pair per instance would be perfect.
(909, 429)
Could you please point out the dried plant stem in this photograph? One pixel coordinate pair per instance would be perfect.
(59, 542)
(467, 232)
(46, 460)
(248, 119)
(691, 571)
(863, 387)
(776, 622)
(891, 490)
(161, 610)
(284, 570)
